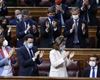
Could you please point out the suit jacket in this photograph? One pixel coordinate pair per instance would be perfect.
(91, 11)
(3, 10)
(46, 37)
(65, 15)
(14, 21)
(58, 64)
(20, 31)
(70, 36)
(86, 72)
(27, 67)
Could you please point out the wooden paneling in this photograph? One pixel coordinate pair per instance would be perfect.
(38, 11)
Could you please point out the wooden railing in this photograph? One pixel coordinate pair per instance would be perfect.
(34, 11)
(38, 11)
(91, 32)
(81, 55)
(45, 78)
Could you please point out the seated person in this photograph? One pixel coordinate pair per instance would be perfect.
(93, 70)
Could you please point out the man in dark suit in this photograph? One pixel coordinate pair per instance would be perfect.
(28, 58)
(61, 12)
(88, 10)
(93, 70)
(23, 27)
(17, 19)
(76, 30)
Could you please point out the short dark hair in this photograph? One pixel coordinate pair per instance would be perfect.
(25, 12)
(97, 58)
(28, 36)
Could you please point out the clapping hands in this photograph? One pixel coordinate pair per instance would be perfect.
(11, 53)
(39, 53)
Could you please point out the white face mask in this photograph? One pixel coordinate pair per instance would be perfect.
(5, 43)
(29, 45)
(19, 16)
(92, 63)
(75, 16)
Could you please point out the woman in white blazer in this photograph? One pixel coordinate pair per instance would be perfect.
(59, 59)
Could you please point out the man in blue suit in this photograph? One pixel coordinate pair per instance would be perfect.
(17, 19)
(28, 58)
(93, 70)
(23, 27)
(76, 31)
(61, 12)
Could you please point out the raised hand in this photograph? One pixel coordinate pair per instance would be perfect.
(71, 55)
(41, 54)
(11, 53)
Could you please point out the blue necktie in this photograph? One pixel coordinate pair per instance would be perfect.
(93, 73)
(31, 53)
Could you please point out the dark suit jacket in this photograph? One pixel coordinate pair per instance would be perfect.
(70, 36)
(3, 10)
(27, 67)
(91, 11)
(86, 72)
(66, 14)
(14, 21)
(46, 37)
(20, 31)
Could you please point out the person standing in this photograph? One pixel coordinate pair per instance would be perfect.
(76, 31)
(28, 58)
(59, 59)
(5, 58)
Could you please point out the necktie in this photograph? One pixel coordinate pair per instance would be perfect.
(76, 32)
(93, 73)
(62, 20)
(31, 54)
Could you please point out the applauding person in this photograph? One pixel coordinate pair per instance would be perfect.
(5, 58)
(28, 58)
(59, 59)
